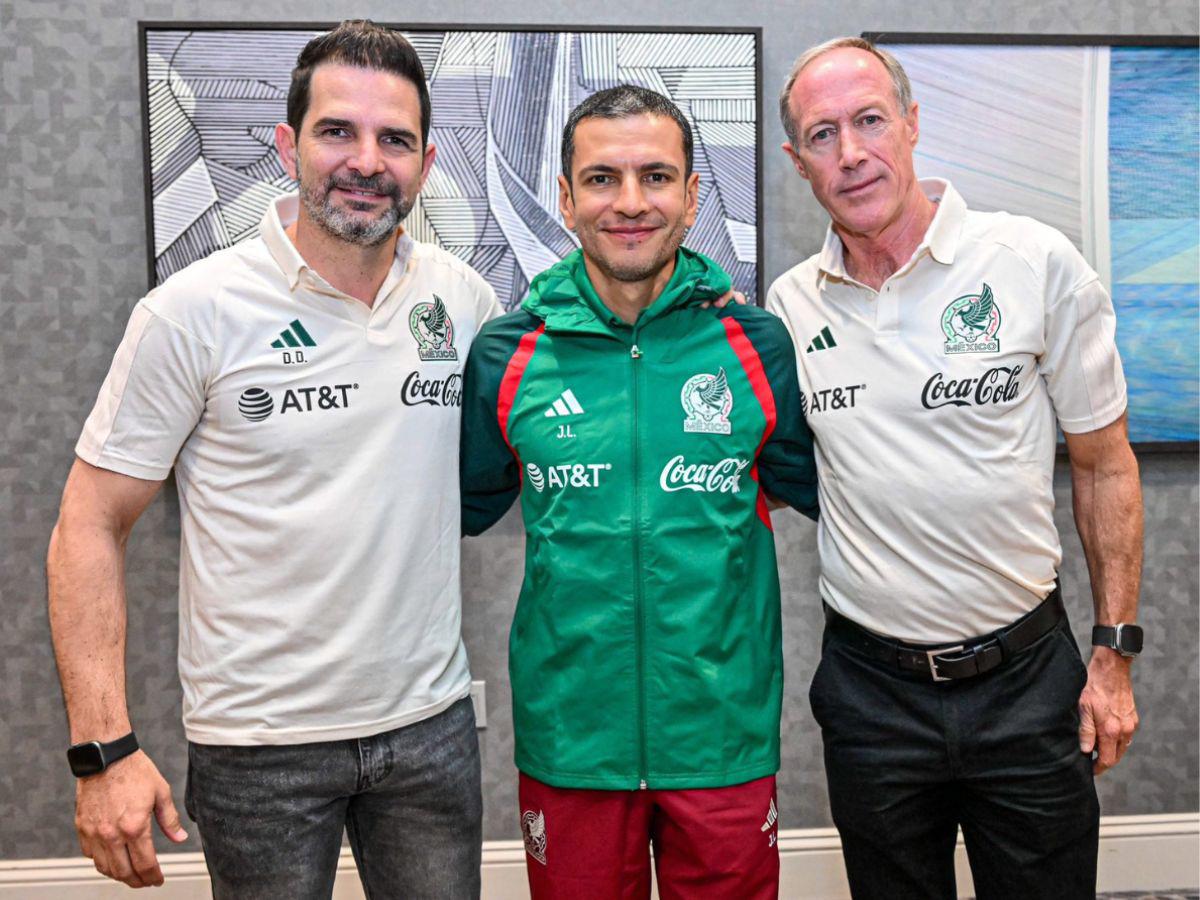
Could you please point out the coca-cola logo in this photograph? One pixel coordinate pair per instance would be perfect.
(418, 391)
(722, 477)
(997, 385)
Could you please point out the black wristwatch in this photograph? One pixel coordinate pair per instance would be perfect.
(1125, 638)
(93, 757)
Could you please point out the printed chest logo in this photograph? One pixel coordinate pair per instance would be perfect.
(255, 404)
(707, 401)
(723, 477)
(418, 391)
(567, 475)
(565, 406)
(999, 384)
(431, 326)
(291, 341)
(971, 324)
(827, 399)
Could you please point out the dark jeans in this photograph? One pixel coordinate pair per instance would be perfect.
(908, 761)
(271, 818)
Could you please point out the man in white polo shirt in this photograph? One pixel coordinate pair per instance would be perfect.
(305, 387)
(937, 347)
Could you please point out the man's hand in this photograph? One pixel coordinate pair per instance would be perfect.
(1107, 715)
(721, 302)
(112, 817)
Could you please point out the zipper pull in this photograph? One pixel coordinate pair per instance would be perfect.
(634, 352)
(642, 785)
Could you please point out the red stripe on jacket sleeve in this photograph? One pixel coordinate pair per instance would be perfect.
(512, 380)
(753, 367)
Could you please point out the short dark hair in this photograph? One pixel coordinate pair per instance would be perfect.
(362, 43)
(621, 102)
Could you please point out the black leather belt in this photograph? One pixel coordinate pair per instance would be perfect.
(965, 660)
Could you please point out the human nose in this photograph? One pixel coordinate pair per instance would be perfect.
(631, 199)
(851, 149)
(366, 159)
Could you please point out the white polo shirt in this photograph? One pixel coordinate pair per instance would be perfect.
(933, 402)
(315, 447)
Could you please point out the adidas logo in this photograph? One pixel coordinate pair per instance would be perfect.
(565, 405)
(293, 336)
(772, 817)
(823, 341)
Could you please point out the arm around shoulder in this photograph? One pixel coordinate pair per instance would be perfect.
(787, 468)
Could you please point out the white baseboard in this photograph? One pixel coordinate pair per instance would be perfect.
(1136, 853)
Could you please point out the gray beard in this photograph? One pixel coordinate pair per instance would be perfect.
(353, 229)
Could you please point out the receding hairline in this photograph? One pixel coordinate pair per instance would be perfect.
(901, 87)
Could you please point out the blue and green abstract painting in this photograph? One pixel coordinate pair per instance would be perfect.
(1154, 211)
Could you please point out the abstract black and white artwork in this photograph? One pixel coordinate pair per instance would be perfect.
(500, 99)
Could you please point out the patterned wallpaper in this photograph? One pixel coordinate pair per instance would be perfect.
(72, 253)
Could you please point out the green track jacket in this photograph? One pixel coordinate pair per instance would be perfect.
(646, 649)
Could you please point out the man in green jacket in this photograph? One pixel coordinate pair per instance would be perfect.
(643, 430)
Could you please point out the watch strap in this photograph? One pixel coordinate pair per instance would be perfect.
(1125, 637)
(93, 757)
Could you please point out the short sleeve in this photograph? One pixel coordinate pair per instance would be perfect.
(150, 401)
(1080, 364)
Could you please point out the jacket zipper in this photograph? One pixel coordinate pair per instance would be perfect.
(635, 354)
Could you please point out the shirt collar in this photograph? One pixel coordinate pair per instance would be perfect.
(941, 238)
(281, 213)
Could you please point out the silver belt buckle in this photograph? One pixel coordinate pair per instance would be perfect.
(930, 654)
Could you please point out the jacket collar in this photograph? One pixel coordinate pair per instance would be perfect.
(563, 295)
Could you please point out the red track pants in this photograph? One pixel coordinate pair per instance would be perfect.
(708, 843)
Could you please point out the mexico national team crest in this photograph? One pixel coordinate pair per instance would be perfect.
(431, 326)
(972, 324)
(707, 401)
(533, 829)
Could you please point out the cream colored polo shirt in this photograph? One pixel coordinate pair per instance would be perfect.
(933, 403)
(315, 447)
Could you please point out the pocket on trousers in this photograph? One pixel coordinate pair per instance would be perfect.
(816, 689)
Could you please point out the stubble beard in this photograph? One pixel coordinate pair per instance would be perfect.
(632, 273)
(343, 224)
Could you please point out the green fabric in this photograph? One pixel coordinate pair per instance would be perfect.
(646, 644)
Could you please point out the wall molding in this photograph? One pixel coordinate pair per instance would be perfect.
(1136, 853)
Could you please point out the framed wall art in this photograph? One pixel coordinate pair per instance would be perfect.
(213, 94)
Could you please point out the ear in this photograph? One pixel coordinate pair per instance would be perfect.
(427, 164)
(914, 126)
(692, 194)
(566, 203)
(797, 161)
(285, 144)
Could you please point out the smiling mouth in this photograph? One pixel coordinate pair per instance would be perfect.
(631, 232)
(360, 194)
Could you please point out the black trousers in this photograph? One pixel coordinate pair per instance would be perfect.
(908, 761)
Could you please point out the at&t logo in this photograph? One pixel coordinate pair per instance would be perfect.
(255, 404)
(576, 475)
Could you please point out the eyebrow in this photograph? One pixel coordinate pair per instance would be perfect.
(332, 122)
(858, 112)
(603, 169)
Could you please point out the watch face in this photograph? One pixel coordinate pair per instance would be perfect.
(86, 759)
(1129, 639)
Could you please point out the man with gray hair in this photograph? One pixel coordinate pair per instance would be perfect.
(936, 348)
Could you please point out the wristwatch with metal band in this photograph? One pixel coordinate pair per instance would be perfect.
(1125, 638)
(93, 757)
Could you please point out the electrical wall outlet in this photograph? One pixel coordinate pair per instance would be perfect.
(479, 701)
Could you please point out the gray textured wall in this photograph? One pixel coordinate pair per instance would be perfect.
(72, 258)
